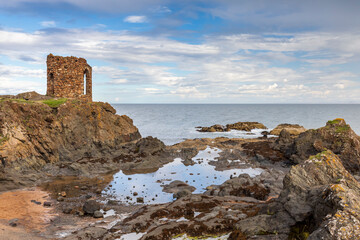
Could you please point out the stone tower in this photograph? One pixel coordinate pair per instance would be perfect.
(68, 77)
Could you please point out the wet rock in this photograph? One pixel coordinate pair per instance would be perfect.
(36, 202)
(87, 233)
(292, 129)
(60, 199)
(181, 193)
(67, 209)
(90, 206)
(213, 128)
(98, 214)
(177, 187)
(267, 184)
(149, 146)
(13, 222)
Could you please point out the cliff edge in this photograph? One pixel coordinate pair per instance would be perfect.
(36, 132)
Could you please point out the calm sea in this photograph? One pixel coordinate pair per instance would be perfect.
(173, 123)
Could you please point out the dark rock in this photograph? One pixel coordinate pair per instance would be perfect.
(47, 204)
(60, 199)
(149, 146)
(181, 193)
(140, 200)
(67, 209)
(90, 206)
(13, 222)
(36, 202)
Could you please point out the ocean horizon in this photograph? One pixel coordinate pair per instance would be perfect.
(173, 123)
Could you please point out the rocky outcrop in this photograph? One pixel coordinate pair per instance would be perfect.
(245, 126)
(33, 134)
(240, 126)
(336, 136)
(322, 190)
(320, 200)
(262, 187)
(293, 129)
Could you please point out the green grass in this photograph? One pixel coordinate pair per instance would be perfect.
(340, 129)
(54, 103)
(335, 121)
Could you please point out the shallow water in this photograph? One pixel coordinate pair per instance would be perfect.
(149, 186)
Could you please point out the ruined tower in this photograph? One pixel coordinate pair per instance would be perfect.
(68, 77)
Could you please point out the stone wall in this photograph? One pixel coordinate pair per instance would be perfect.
(65, 77)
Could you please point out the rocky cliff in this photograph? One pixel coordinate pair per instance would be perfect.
(336, 136)
(34, 133)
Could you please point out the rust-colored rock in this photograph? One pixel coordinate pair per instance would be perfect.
(293, 129)
(34, 134)
(65, 77)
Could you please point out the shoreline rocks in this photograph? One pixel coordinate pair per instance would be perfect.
(293, 129)
(240, 126)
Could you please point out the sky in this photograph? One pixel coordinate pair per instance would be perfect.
(189, 51)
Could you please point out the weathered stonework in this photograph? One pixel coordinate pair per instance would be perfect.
(65, 77)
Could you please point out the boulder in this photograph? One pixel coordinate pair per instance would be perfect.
(293, 129)
(90, 206)
(177, 186)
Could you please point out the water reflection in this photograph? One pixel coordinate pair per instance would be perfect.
(129, 188)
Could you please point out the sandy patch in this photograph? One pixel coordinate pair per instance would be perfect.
(31, 216)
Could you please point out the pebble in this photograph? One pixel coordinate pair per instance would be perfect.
(98, 214)
(13, 222)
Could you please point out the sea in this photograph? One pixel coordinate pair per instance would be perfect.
(173, 123)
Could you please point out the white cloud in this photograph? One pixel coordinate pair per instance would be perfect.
(135, 19)
(222, 67)
(48, 23)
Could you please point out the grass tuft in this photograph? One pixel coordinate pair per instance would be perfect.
(54, 103)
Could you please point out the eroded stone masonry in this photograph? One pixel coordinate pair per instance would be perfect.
(69, 77)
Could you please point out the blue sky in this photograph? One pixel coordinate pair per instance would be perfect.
(199, 51)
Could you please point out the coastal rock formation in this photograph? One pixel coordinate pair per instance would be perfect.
(240, 126)
(245, 126)
(336, 136)
(35, 133)
(293, 129)
(320, 200)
